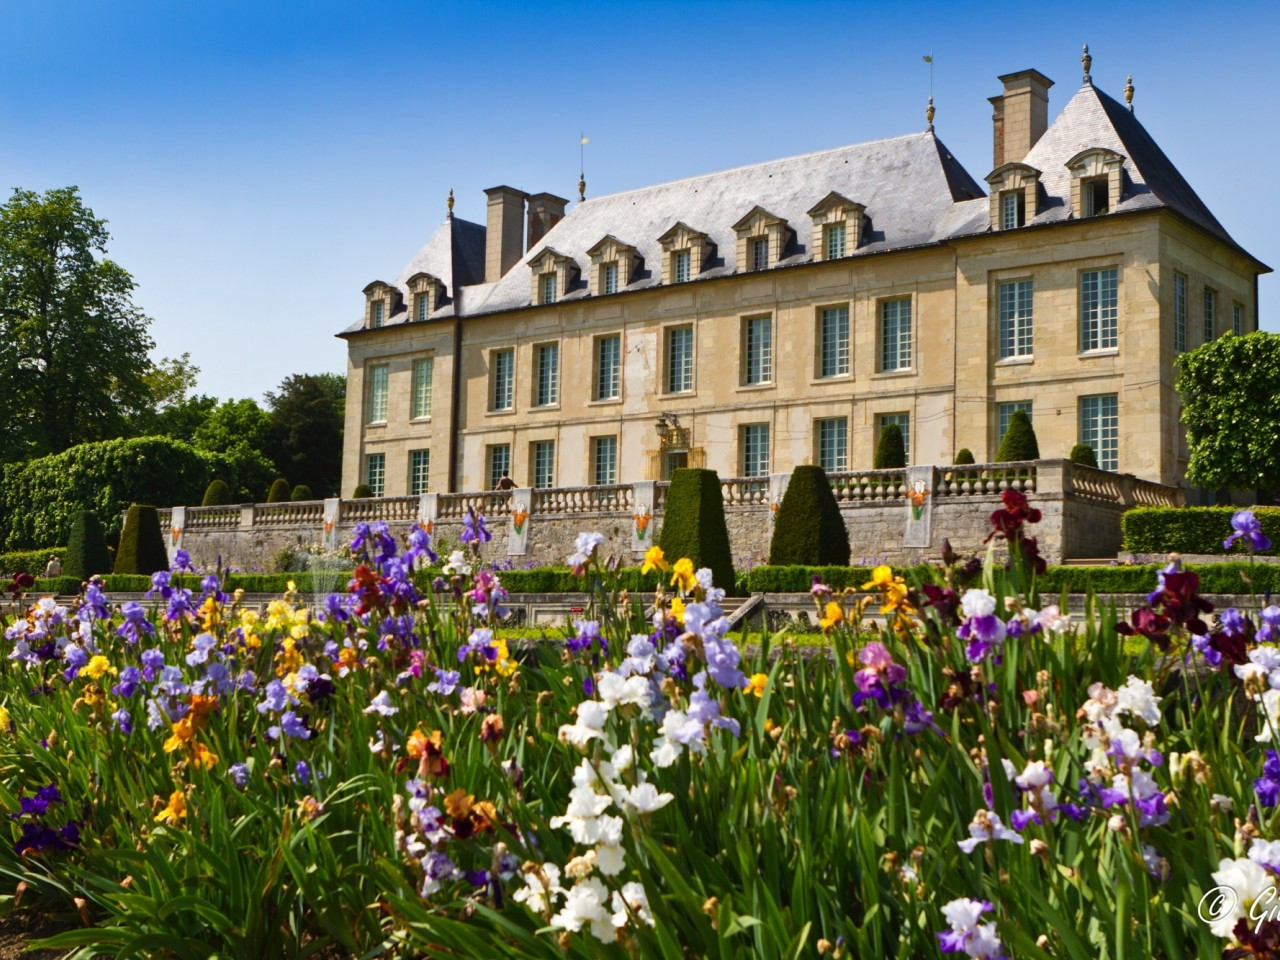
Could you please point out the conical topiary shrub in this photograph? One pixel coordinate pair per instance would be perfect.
(963, 456)
(86, 548)
(362, 491)
(141, 547)
(693, 524)
(891, 452)
(301, 492)
(279, 492)
(1019, 440)
(1083, 454)
(809, 529)
(217, 494)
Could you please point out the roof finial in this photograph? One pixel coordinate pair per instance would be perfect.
(1128, 92)
(928, 114)
(583, 140)
(450, 203)
(582, 187)
(1086, 61)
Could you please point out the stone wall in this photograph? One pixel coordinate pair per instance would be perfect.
(1081, 510)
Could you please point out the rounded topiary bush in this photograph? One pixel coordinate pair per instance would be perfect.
(301, 492)
(279, 492)
(693, 524)
(963, 456)
(217, 494)
(1083, 454)
(809, 529)
(141, 547)
(86, 552)
(891, 452)
(362, 491)
(1019, 441)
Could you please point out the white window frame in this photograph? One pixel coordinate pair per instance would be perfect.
(377, 313)
(757, 350)
(379, 388)
(547, 287)
(1099, 309)
(833, 342)
(609, 277)
(499, 457)
(1210, 314)
(547, 382)
(542, 464)
(682, 265)
(754, 440)
(419, 472)
(375, 472)
(1179, 312)
(831, 435)
(895, 334)
(1100, 428)
(833, 241)
(759, 251)
(679, 379)
(502, 396)
(1012, 205)
(608, 381)
(604, 460)
(423, 386)
(1015, 301)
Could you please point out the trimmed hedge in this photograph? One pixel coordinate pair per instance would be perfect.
(693, 523)
(279, 492)
(142, 547)
(301, 492)
(28, 561)
(963, 456)
(1019, 441)
(809, 527)
(363, 491)
(1083, 454)
(891, 452)
(1190, 529)
(86, 549)
(217, 494)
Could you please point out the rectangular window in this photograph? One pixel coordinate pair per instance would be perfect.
(1210, 314)
(758, 348)
(419, 470)
(420, 313)
(1100, 428)
(679, 359)
(834, 242)
(610, 278)
(1237, 318)
(375, 472)
(548, 360)
(1012, 209)
(903, 420)
(895, 335)
(504, 379)
(681, 261)
(1095, 196)
(833, 444)
(1004, 412)
(544, 463)
(499, 463)
(608, 368)
(377, 313)
(755, 450)
(833, 342)
(1016, 333)
(605, 456)
(759, 253)
(378, 394)
(1099, 309)
(1179, 313)
(548, 288)
(423, 374)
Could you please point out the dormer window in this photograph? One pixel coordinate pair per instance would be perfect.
(837, 225)
(762, 238)
(613, 265)
(381, 303)
(1097, 181)
(426, 294)
(554, 275)
(377, 313)
(1015, 195)
(685, 253)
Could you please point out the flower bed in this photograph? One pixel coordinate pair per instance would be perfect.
(383, 776)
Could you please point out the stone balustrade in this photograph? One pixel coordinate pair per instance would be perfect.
(1081, 507)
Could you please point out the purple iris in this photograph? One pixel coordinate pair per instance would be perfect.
(179, 604)
(38, 836)
(160, 585)
(473, 528)
(918, 720)
(1246, 525)
(95, 604)
(152, 661)
(302, 773)
(983, 633)
(130, 678)
(239, 774)
(135, 622)
(291, 725)
(445, 682)
(1269, 632)
(123, 721)
(1267, 786)
(420, 546)
(182, 562)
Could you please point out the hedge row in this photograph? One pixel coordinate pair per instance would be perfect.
(28, 561)
(1190, 529)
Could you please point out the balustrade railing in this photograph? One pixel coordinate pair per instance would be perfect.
(741, 490)
(301, 511)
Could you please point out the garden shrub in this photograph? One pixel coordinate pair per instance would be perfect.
(1190, 529)
(86, 552)
(809, 528)
(28, 561)
(279, 492)
(693, 523)
(217, 494)
(142, 547)
(1019, 441)
(963, 456)
(1083, 454)
(301, 492)
(891, 452)
(362, 491)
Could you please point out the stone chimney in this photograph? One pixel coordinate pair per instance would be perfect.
(504, 230)
(1020, 115)
(545, 211)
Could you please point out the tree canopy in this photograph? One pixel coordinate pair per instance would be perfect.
(307, 414)
(73, 347)
(1230, 390)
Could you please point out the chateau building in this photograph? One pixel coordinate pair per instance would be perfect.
(786, 312)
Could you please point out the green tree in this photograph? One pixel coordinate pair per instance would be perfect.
(306, 429)
(1230, 390)
(891, 453)
(73, 347)
(1019, 441)
(178, 421)
(86, 553)
(809, 529)
(234, 425)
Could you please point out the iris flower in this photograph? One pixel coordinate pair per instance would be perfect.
(1249, 528)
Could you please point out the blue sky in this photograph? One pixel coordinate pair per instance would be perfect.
(260, 162)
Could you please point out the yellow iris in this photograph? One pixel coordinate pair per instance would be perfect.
(182, 734)
(289, 659)
(756, 684)
(833, 615)
(5, 721)
(677, 610)
(203, 757)
(96, 667)
(654, 560)
(210, 614)
(893, 592)
(682, 575)
(175, 811)
(881, 577)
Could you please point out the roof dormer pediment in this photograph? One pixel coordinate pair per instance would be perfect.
(549, 259)
(837, 204)
(682, 235)
(610, 248)
(1094, 162)
(1008, 173)
(758, 220)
